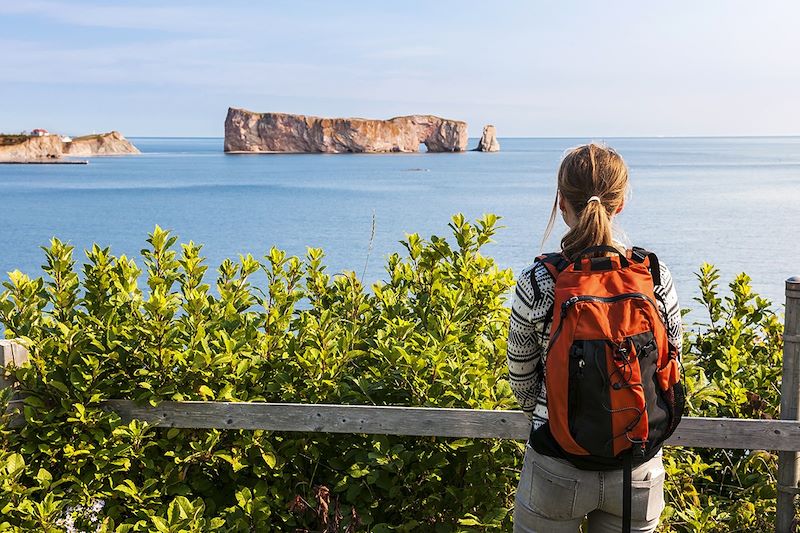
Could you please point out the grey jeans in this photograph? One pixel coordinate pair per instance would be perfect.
(554, 497)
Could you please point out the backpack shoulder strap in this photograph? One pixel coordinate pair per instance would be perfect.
(641, 255)
(555, 263)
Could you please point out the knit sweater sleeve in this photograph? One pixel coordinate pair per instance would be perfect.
(667, 299)
(528, 334)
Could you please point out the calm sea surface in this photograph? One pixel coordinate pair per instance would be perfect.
(734, 202)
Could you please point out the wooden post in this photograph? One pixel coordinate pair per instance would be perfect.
(788, 464)
(11, 354)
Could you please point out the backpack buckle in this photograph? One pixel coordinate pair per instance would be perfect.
(638, 449)
(624, 350)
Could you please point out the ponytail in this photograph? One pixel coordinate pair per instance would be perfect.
(593, 180)
(593, 228)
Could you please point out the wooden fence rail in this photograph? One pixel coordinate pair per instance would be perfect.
(727, 433)
(779, 435)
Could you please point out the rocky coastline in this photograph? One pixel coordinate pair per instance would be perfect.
(51, 148)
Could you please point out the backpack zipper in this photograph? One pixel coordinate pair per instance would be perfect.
(603, 299)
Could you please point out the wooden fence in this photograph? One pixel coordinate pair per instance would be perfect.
(779, 435)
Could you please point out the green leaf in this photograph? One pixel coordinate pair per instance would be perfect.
(14, 464)
(44, 477)
(35, 401)
(161, 524)
(269, 458)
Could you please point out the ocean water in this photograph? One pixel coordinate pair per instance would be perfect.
(734, 202)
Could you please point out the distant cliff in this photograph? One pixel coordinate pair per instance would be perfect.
(25, 148)
(246, 131)
(112, 143)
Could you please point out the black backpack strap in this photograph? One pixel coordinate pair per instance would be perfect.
(640, 254)
(627, 483)
(555, 263)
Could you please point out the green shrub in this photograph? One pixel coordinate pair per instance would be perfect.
(732, 369)
(282, 329)
(10, 139)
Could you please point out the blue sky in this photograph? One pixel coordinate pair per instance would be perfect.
(533, 68)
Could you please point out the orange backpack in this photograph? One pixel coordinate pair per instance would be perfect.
(613, 379)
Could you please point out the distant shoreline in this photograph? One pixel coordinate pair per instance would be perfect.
(44, 162)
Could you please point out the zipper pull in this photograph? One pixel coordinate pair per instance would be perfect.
(567, 304)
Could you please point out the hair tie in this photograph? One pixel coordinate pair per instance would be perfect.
(594, 199)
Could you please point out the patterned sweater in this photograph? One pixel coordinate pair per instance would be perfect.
(529, 333)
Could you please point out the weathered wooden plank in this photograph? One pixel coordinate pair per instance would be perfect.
(326, 418)
(737, 433)
(788, 461)
(422, 421)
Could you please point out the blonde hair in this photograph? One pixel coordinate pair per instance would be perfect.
(587, 171)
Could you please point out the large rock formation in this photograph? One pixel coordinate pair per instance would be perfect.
(27, 148)
(488, 142)
(112, 143)
(246, 131)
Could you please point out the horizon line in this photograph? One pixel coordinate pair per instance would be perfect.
(783, 136)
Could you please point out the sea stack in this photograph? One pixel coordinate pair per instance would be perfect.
(488, 142)
(249, 132)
